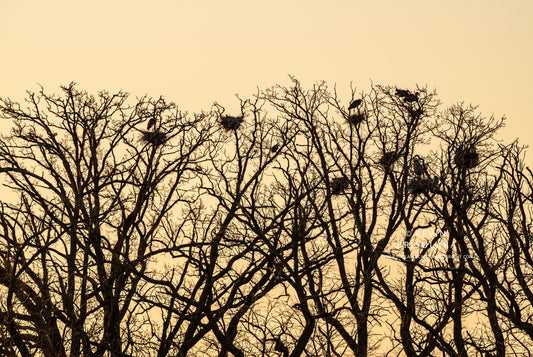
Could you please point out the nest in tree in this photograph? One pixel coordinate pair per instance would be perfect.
(411, 97)
(356, 118)
(154, 137)
(467, 157)
(388, 158)
(416, 113)
(231, 123)
(339, 185)
(420, 185)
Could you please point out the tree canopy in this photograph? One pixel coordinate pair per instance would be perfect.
(307, 224)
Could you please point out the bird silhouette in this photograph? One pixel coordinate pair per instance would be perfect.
(418, 166)
(274, 148)
(402, 92)
(151, 123)
(280, 347)
(355, 104)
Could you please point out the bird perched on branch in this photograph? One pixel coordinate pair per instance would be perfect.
(151, 123)
(355, 104)
(280, 347)
(275, 148)
(402, 92)
(418, 166)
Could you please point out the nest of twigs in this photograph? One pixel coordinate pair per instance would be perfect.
(420, 185)
(230, 122)
(356, 118)
(388, 158)
(154, 137)
(411, 97)
(467, 157)
(416, 113)
(339, 185)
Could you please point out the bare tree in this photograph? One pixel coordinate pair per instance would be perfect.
(297, 226)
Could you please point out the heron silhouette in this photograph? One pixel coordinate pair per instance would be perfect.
(418, 165)
(355, 104)
(402, 92)
(151, 123)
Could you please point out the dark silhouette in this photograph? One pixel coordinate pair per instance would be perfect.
(418, 166)
(388, 158)
(356, 118)
(231, 122)
(411, 97)
(466, 157)
(199, 241)
(151, 123)
(339, 185)
(402, 93)
(356, 103)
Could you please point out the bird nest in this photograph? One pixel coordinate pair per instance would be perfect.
(420, 185)
(388, 158)
(356, 118)
(339, 185)
(416, 113)
(231, 123)
(467, 157)
(154, 137)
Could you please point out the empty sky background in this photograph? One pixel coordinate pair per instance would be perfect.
(195, 53)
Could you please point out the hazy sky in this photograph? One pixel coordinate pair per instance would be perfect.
(194, 53)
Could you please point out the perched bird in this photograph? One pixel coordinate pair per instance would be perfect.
(388, 158)
(280, 347)
(151, 123)
(402, 92)
(275, 148)
(418, 166)
(355, 104)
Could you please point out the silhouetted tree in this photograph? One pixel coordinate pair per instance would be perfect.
(296, 227)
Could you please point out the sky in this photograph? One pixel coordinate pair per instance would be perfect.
(195, 53)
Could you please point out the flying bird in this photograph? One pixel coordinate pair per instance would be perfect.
(355, 104)
(151, 123)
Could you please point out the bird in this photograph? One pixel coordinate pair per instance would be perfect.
(151, 123)
(355, 104)
(275, 148)
(402, 92)
(418, 166)
(280, 347)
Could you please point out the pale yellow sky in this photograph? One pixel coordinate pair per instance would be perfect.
(194, 53)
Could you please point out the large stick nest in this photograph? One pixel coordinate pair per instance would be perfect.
(420, 185)
(467, 157)
(154, 137)
(356, 118)
(230, 122)
(339, 185)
